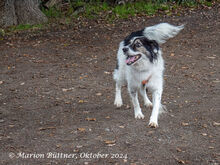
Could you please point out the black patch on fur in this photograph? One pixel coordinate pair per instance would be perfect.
(132, 35)
(150, 45)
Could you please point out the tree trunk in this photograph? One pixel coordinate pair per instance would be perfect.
(14, 12)
(7, 13)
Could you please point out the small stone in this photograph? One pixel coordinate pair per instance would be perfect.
(1, 121)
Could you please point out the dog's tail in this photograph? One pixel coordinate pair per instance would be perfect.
(163, 109)
(162, 32)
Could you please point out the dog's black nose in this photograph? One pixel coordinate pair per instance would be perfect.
(125, 50)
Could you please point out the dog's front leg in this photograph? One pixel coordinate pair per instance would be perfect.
(156, 107)
(134, 98)
(118, 99)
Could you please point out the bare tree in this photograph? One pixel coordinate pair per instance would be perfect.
(14, 12)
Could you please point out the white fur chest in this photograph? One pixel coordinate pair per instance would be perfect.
(135, 77)
(152, 73)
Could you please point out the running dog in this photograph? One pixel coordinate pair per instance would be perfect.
(140, 65)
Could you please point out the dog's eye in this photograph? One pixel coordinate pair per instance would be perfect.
(137, 45)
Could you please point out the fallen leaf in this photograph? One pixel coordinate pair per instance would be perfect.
(178, 150)
(172, 54)
(64, 90)
(26, 55)
(81, 101)
(121, 126)
(76, 150)
(107, 72)
(11, 125)
(204, 134)
(90, 119)
(181, 161)
(210, 57)
(125, 160)
(79, 146)
(65, 45)
(82, 77)
(1, 82)
(185, 124)
(109, 141)
(210, 147)
(81, 129)
(216, 124)
(98, 94)
(58, 145)
(44, 128)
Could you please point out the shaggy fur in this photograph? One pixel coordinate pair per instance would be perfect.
(140, 65)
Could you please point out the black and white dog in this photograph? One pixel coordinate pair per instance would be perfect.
(140, 65)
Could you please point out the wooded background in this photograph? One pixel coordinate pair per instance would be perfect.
(14, 12)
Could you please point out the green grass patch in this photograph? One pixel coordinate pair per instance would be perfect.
(207, 3)
(2, 32)
(99, 9)
(52, 12)
(22, 27)
(96, 8)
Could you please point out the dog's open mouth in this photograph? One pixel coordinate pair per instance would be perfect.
(132, 59)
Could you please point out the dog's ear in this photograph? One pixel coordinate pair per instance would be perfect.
(151, 46)
(154, 45)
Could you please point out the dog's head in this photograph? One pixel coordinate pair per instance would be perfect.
(140, 48)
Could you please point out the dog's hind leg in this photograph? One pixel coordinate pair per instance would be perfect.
(156, 108)
(134, 98)
(143, 93)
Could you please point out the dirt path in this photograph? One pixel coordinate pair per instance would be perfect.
(57, 92)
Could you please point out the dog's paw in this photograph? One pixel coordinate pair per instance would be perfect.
(149, 104)
(139, 115)
(118, 103)
(153, 124)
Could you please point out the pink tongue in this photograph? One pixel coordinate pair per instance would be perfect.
(131, 59)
